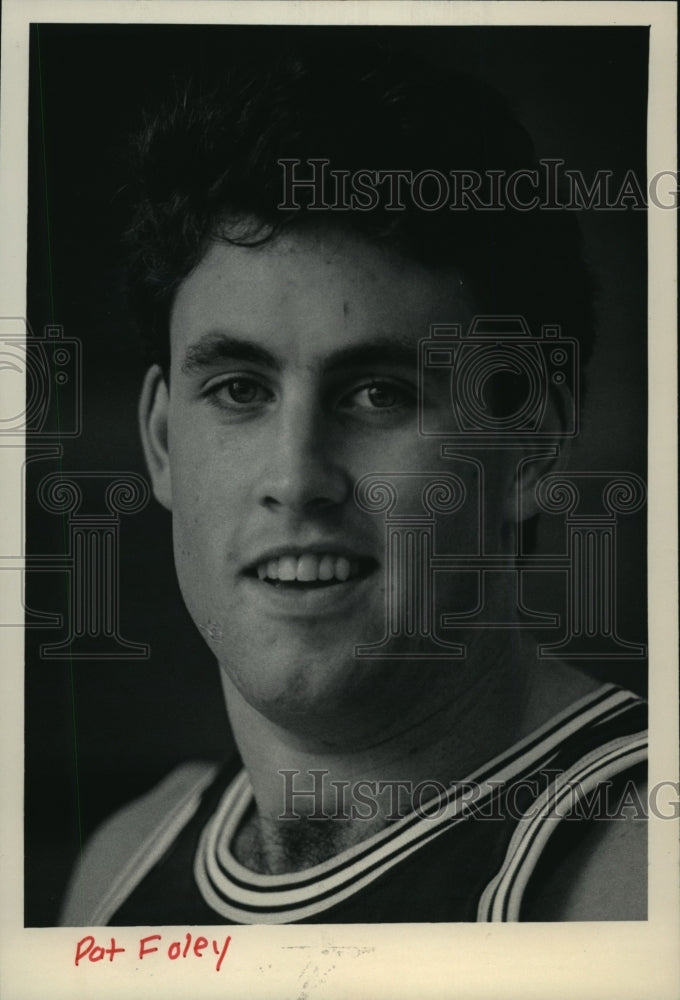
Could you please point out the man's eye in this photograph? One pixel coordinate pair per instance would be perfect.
(379, 395)
(239, 391)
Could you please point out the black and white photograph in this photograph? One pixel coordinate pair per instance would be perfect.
(340, 568)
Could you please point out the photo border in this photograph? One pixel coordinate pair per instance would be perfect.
(597, 960)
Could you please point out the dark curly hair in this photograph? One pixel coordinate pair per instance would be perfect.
(207, 168)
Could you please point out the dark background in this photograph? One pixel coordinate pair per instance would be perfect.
(99, 732)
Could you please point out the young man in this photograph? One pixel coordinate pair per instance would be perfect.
(286, 269)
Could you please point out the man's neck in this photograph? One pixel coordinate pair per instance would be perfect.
(314, 798)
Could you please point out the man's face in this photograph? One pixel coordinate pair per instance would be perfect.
(294, 374)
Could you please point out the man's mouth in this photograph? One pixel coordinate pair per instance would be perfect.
(311, 570)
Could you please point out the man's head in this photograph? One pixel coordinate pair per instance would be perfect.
(209, 167)
(286, 343)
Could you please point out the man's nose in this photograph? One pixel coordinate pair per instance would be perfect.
(304, 471)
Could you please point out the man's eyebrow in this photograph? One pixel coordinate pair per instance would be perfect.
(218, 345)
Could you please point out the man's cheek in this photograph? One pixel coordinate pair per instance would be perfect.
(197, 565)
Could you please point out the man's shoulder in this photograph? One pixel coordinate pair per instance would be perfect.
(120, 843)
(604, 875)
(580, 852)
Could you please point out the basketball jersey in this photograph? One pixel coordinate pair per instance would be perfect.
(469, 853)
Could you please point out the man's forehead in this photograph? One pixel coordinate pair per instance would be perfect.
(316, 294)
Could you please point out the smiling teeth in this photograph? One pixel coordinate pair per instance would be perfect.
(308, 568)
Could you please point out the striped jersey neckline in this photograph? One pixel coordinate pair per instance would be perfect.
(244, 896)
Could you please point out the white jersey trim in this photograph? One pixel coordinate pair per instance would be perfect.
(151, 849)
(502, 898)
(238, 894)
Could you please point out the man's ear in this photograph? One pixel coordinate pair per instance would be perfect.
(153, 427)
(550, 454)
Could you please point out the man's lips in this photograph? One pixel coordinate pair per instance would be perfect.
(305, 568)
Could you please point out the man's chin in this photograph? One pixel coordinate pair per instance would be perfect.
(306, 697)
